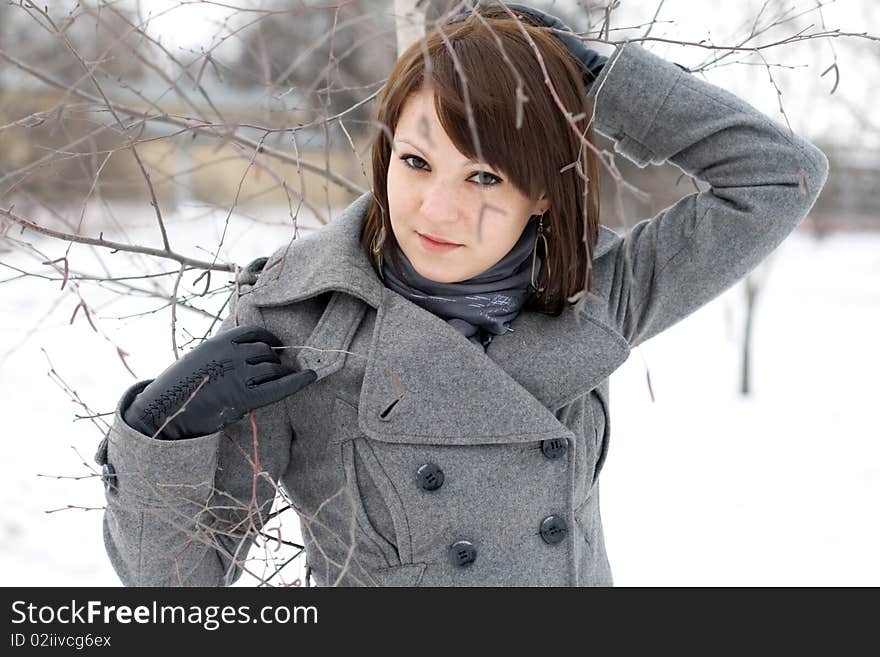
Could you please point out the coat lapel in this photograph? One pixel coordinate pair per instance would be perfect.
(557, 359)
(427, 383)
(424, 381)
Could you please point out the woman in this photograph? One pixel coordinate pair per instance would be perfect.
(438, 414)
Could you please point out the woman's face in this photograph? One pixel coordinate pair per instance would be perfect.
(434, 190)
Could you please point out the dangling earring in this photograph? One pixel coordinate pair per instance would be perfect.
(376, 249)
(540, 235)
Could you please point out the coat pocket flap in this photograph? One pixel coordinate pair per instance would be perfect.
(405, 575)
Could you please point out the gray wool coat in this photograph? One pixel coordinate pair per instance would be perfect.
(416, 459)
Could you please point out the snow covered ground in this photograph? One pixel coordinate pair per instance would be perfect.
(701, 487)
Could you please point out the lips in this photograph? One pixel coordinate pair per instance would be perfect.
(431, 246)
(439, 240)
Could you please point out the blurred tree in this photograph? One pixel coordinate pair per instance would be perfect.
(329, 58)
(101, 38)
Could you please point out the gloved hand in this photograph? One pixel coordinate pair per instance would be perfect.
(243, 372)
(590, 61)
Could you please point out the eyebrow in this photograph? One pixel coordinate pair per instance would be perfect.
(411, 143)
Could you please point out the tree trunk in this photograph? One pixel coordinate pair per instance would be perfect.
(409, 18)
(752, 287)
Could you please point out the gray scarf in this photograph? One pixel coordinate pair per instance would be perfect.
(480, 307)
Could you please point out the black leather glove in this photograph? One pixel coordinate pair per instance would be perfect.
(590, 61)
(243, 372)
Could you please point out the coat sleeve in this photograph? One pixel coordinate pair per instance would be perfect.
(186, 512)
(763, 180)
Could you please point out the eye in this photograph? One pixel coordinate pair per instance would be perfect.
(406, 159)
(491, 181)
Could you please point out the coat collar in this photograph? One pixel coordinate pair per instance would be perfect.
(328, 259)
(509, 393)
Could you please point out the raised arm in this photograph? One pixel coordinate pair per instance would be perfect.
(763, 178)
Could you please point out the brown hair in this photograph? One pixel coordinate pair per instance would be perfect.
(545, 154)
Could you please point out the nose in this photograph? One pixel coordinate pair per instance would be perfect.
(440, 203)
(446, 214)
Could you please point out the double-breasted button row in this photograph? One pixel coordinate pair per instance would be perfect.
(553, 529)
(430, 476)
(462, 553)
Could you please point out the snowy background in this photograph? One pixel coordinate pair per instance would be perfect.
(701, 487)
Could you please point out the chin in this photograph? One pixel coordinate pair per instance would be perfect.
(433, 272)
(437, 276)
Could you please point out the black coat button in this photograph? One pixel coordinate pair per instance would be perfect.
(108, 476)
(430, 476)
(554, 448)
(553, 529)
(462, 553)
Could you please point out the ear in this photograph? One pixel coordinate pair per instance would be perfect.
(541, 205)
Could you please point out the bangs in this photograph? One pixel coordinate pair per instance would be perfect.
(513, 115)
